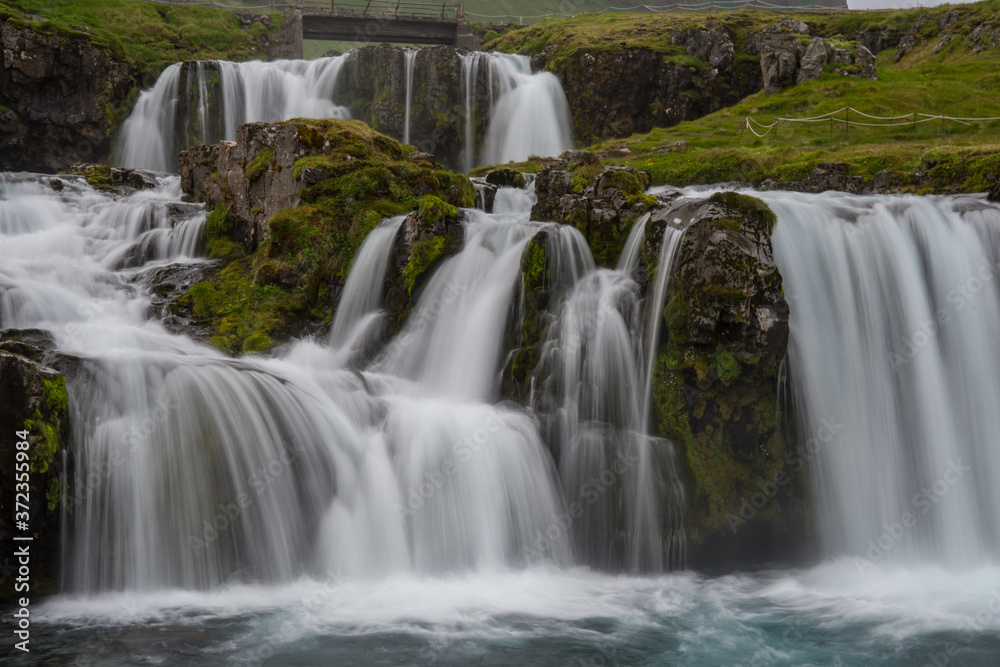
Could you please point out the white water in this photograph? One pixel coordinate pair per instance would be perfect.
(527, 113)
(147, 136)
(253, 91)
(395, 511)
(894, 316)
(359, 308)
(410, 58)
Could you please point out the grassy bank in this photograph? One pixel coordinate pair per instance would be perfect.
(962, 79)
(148, 34)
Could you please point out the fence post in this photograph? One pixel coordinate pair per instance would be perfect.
(847, 122)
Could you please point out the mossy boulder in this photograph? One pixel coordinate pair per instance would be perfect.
(716, 376)
(602, 202)
(529, 326)
(113, 179)
(292, 203)
(34, 409)
(506, 178)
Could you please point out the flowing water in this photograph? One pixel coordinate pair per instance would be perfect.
(330, 507)
(205, 102)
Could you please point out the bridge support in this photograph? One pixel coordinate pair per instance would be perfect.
(351, 27)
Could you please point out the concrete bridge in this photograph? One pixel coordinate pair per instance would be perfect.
(376, 21)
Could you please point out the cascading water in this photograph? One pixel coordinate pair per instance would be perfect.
(597, 363)
(528, 114)
(894, 312)
(205, 102)
(307, 509)
(410, 58)
(359, 307)
(252, 91)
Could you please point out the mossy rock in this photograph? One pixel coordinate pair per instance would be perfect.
(34, 410)
(286, 285)
(718, 366)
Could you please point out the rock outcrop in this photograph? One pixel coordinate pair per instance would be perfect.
(34, 418)
(723, 340)
(622, 91)
(715, 378)
(291, 204)
(788, 59)
(58, 95)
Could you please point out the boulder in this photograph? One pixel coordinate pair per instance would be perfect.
(34, 410)
(58, 95)
(724, 336)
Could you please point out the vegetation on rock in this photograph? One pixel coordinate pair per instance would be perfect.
(150, 35)
(287, 283)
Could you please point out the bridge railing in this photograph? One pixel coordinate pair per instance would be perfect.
(387, 8)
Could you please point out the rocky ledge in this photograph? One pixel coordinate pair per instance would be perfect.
(34, 407)
(58, 93)
(291, 204)
(719, 359)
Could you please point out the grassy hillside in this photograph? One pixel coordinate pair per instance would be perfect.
(956, 81)
(151, 35)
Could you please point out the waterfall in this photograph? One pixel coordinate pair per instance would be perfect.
(531, 115)
(359, 305)
(597, 366)
(470, 68)
(894, 316)
(410, 58)
(528, 112)
(522, 114)
(250, 92)
(147, 136)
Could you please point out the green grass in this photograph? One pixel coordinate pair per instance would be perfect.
(954, 82)
(263, 296)
(149, 34)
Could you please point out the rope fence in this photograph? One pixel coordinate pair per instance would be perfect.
(706, 5)
(762, 130)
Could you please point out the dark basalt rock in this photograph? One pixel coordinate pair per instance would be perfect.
(505, 178)
(55, 95)
(34, 404)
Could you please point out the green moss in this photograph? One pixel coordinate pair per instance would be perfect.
(260, 163)
(217, 224)
(97, 175)
(726, 367)
(627, 182)
(263, 295)
(148, 35)
(533, 266)
(424, 255)
(435, 210)
(257, 342)
(52, 494)
(47, 428)
(583, 176)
